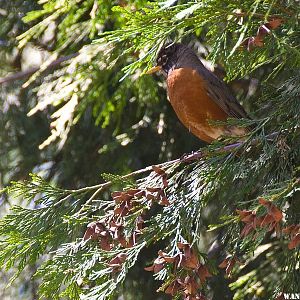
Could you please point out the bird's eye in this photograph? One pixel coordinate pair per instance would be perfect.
(164, 58)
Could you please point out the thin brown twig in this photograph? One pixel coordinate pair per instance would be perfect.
(20, 75)
(262, 16)
(185, 159)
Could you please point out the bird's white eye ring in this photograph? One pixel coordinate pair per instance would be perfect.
(164, 57)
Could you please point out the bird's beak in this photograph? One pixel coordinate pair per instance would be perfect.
(153, 70)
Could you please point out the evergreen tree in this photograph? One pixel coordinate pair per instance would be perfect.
(219, 223)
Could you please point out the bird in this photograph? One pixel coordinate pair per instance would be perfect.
(197, 95)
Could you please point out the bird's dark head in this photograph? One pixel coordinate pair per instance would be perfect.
(168, 57)
(172, 56)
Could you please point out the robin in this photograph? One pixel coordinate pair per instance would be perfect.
(197, 95)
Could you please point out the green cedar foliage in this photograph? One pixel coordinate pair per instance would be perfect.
(86, 240)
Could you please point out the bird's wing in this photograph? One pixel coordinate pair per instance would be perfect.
(220, 93)
(216, 88)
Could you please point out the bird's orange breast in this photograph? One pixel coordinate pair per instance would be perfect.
(192, 104)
